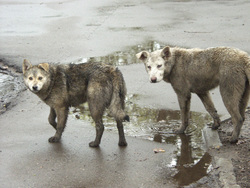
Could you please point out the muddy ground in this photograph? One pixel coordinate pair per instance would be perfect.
(238, 153)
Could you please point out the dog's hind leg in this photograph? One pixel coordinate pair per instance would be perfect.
(97, 113)
(237, 120)
(62, 115)
(122, 140)
(232, 95)
(184, 103)
(99, 132)
(207, 102)
(52, 117)
(244, 100)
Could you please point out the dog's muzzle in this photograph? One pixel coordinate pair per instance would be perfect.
(153, 79)
(35, 88)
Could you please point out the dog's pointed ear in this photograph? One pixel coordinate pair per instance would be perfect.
(44, 66)
(165, 53)
(142, 55)
(26, 65)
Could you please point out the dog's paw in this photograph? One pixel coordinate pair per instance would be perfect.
(122, 143)
(126, 118)
(233, 140)
(179, 131)
(93, 144)
(215, 126)
(54, 139)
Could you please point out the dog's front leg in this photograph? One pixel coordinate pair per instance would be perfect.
(184, 103)
(52, 117)
(61, 114)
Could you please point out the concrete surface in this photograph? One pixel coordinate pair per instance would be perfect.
(227, 177)
(211, 137)
(225, 166)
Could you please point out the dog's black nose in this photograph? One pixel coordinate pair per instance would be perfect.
(153, 79)
(35, 88)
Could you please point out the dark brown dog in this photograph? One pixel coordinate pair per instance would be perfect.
(62, 86)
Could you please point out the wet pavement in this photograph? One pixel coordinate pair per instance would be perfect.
(113, 32)
(30, 161)
(61, 31)
(190, 161)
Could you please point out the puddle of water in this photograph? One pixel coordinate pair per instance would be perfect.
(125, 57)
(191, 162)
(152, 124)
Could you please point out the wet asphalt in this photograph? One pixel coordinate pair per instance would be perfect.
(29, 160)
(65, 31)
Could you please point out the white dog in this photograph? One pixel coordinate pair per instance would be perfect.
(198, 71)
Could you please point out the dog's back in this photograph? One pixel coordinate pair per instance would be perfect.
(88, 79)
(205, 69)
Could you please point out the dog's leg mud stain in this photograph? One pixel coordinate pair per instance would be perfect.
(191, 161)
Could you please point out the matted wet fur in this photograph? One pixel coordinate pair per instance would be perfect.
(62, 86)
(198, 71)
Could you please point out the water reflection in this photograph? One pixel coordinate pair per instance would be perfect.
(190, 169)
(153, 124)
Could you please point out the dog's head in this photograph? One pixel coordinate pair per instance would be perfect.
(155, 63)
(35, 77)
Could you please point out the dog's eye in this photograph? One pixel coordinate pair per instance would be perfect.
(30, 78)
(159, 66)
(149, 67)
(40, 78)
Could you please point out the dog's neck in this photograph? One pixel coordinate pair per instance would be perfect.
(169, 65)
(45, 93)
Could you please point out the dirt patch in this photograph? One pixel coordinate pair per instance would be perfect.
(239, 152)
(11, 84)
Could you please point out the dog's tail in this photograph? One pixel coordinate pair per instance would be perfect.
(117, 104)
